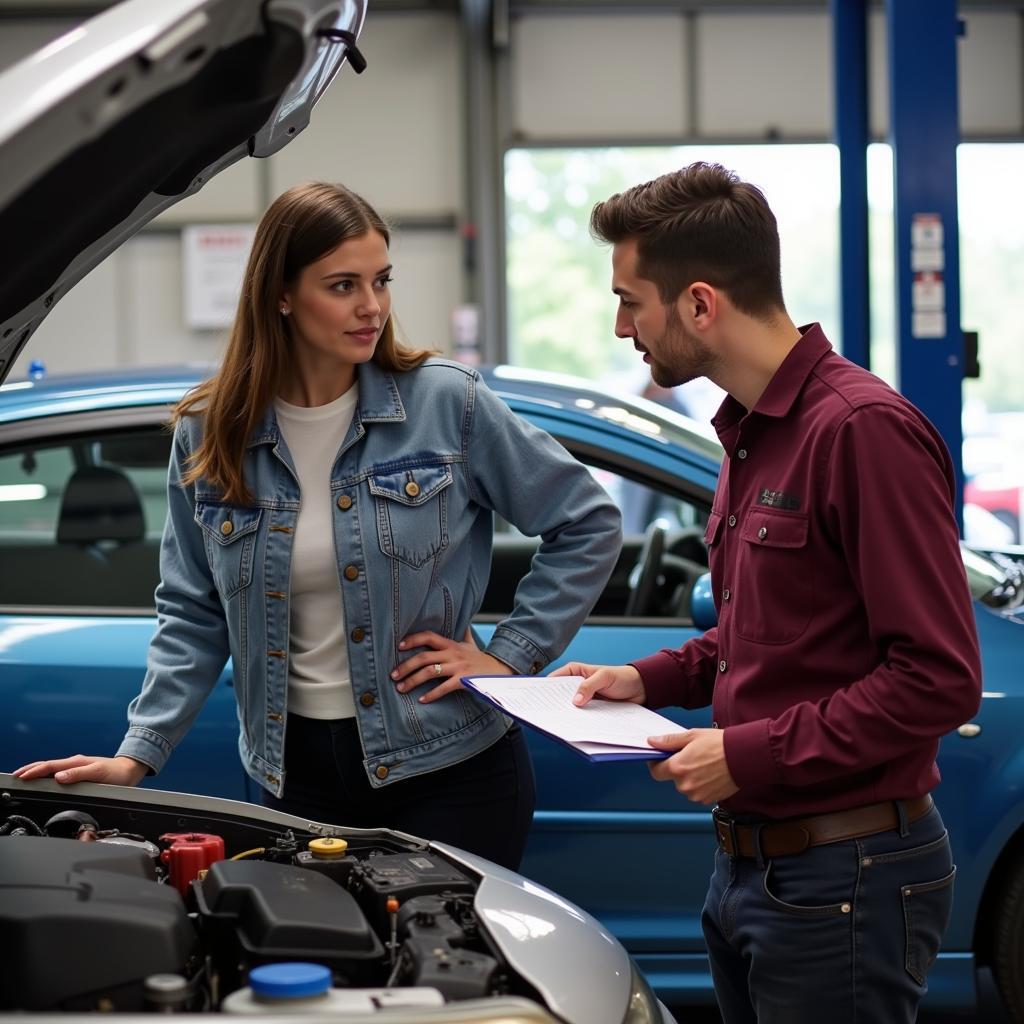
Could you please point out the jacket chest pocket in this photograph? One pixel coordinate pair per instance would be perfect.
(412, 512)
(774, 584)
(229, 533)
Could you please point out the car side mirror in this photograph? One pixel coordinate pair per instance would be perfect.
(702, 604)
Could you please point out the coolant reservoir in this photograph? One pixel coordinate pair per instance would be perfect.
(189, 853)
(299, 988)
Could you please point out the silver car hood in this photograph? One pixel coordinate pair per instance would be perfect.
(551, 941)
(134, 110)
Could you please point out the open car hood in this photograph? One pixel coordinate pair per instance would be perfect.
(433, 934)
(137, 108)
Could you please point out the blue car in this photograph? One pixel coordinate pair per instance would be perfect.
(82, 505)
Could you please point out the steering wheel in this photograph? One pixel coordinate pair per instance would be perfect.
(643, 578)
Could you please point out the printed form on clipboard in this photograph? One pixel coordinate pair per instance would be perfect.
(604, 730)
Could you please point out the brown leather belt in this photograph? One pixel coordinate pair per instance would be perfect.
(794, 835)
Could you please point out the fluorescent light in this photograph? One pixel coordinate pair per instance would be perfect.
(22, 492)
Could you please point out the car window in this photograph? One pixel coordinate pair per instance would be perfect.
(641, 504)
(81, 520)
(644, 507)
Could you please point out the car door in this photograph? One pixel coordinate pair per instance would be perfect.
(632, 852)
(82, 508)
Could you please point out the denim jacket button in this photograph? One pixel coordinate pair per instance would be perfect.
(535, 668)
(367, 700)
(412, 488)
(226, 527)
(344, 503)
(351, 572)
(381, 771)
(358, 634)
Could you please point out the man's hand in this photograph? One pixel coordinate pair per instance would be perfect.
(115, 771)
(699, 770)
(612, 682)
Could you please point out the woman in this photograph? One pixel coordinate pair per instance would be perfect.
(330, 525)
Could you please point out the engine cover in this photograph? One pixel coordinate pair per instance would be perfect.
(258, 912)
(98, 909)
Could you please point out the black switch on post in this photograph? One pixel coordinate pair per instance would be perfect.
(972, 368)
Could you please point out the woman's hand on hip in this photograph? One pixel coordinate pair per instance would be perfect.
(446, 660)
(115, 771)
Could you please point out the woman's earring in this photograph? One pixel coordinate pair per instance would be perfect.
(285, 310)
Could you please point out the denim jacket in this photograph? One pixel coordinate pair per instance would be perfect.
(430, 455)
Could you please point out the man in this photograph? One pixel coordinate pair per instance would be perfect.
(845, 646)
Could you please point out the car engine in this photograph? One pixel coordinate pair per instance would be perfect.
(133, 907)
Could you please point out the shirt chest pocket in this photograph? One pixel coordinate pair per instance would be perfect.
(412, 512)
(229, 534)
(773, 589)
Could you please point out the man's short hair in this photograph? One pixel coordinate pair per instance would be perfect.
(700, 223)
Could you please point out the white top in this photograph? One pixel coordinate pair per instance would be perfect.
(319, 682)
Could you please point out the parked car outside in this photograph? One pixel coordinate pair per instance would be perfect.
(76, 614)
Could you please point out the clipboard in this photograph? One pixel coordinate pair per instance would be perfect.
(544, 703)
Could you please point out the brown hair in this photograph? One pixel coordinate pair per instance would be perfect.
(700, 223)
(300, 227)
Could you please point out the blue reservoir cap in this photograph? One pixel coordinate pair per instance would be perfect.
(289, 981)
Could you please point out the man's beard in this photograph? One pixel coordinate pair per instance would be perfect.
(686, 358)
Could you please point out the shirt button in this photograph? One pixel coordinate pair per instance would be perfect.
(344, 503)
(412, 488)
(723, 665)
(762, 533)
(351, 572)
(726, 594)
(358, 634)
(226, 527)
(742, 453)
(732, 520)
(367, 700)
(381, 771)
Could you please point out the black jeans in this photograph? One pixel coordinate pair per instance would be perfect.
(483, 804)
(843, 933)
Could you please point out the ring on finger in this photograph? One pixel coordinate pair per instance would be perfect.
(437, 668)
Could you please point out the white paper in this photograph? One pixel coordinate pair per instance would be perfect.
(601, 726)
(926, 231)
(214, 258)
(927, 259)
(928, 324)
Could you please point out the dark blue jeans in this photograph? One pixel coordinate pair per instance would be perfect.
(483, 804)
(843, 933)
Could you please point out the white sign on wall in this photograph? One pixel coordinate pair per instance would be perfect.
(928, 290)
(213, 262)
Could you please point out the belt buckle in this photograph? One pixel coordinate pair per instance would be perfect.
(726, 821)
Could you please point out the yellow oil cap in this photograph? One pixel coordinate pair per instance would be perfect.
(327, 849)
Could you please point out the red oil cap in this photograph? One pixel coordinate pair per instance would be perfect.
(188, 854)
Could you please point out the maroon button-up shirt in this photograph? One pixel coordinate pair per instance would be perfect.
(846, 644)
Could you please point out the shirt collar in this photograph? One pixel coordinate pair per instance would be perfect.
(379, 402)
(787, 383)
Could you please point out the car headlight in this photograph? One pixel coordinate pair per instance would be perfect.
(643, 1006)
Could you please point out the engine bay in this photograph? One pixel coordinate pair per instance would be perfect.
(166, 909)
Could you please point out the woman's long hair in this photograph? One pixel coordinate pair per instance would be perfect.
(300, 227)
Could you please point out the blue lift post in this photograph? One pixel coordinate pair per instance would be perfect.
(924, 130)
(850, 102)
